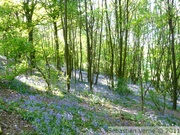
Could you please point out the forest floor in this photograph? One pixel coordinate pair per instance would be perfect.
(11, 123)
(26, 108)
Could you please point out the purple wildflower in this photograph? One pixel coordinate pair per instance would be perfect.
(31, 97)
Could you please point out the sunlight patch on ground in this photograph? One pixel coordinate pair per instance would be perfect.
(134, 88)
(129, 111)
(33, 81)
(38, 83)
(113, 109)
(57, 93)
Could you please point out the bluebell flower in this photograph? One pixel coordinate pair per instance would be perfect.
(58, 107)
(58, 121)
(43, 109)
(46, 119)
(27, 102)
(83, 119)
(49, 129)
(35, 127)
(37, 120)
(31, 97)
(95, 123)
(81, 113)
(68, 116)
(58, 116)
(51, 112)
(105, 127)
(31, 109)
(91, 131)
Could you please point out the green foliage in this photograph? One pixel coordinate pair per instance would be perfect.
(146, 75)
(2, 106)
(139, 118)
(45, 59)
(15, 49)
(155, 99)
(15, 69)
(67, 120)
(122, 88)
(20, 87)
(49, 74)
(0, 130)
(96, 99)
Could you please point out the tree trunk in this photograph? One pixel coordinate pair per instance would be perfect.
(58, 66)
(120, 42)
(171, 40)
(111, 47)
(100, 44)
(80, 40)
(89, 49)
(28, 7)
(66, 49)
(126, 38)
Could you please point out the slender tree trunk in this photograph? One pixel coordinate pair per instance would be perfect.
(140, 77)
(80, 42)
(171, 39)
(32, 53)
(121, 42)
(100, 44)
(28, 7)
(66, 48)
(111, 47)
(58, 66)
(89, 49)
(126, 38)
(81, 56)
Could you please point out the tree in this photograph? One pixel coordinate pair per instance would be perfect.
(110, 43)
(80, 40)
(67, 56)
(29, 7)
(89, 44)
(173, 55)
(100, 41)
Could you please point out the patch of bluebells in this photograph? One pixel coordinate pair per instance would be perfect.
(82, 114)
(53, 117)
(58, 117)
(168, 120)
(163, 120)
(95, 123)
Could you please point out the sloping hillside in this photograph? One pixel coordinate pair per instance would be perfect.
(25, 106)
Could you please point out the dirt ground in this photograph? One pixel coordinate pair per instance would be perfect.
(10, 122)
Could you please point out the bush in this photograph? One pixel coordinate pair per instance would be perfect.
(122, 88)
(155, 99)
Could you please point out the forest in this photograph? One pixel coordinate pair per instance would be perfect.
(85, 66)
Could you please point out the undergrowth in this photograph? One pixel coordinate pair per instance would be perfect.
(122, 87)
(51, 115)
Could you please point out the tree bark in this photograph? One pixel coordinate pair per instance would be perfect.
(100, 45)
(173, 55)
(89, 49)
(58, 66)
(68, 71)
(80, 40)
(111, 47)
(28, 7)
(126, 38)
